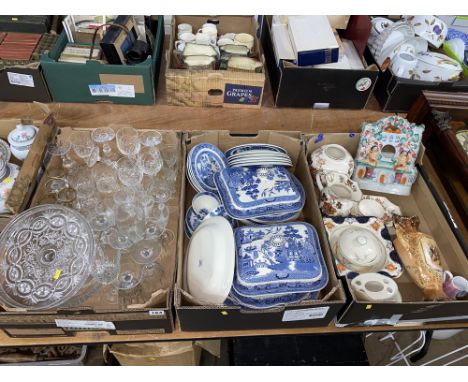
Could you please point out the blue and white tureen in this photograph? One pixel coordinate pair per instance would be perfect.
(277, 264)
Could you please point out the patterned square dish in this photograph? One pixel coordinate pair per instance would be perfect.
(250, 192)
(277, 259)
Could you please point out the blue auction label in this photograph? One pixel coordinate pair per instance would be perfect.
(242, 94)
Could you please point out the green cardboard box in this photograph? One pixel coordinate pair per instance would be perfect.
(94, 82)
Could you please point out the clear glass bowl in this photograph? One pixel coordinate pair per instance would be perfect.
(46, 254)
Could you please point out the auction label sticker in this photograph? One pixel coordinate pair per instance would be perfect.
(85, 325)
(112, 90)
(363, 84)
(20, 79)
(159, 313)
(305, 314)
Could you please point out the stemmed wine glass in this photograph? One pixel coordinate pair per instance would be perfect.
(128, 141)
(104, 135)
(59, 150)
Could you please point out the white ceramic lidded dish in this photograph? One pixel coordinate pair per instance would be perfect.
(21, 139)
(210, 261)
(360, 250)
(437, 67)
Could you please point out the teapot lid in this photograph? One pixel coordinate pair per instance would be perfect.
(22, 135)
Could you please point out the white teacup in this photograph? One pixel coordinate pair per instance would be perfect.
(429, 27)
(184, 38)
(183, 28)
(404, 64)
(244, 39)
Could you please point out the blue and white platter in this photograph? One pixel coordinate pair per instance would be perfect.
(203, 161)
(252, 192)
(268, 302)
(254, 146)
(268, 258)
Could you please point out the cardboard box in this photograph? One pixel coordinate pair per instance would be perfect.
(30, 171)
(310, 87)
(94, 82)
(194, 317)
(174, 353)
(147, 308)
(221, 88)
(396, 94)
(23, 81)
(422, 203)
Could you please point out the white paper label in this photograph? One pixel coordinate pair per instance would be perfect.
(305, 314)
(85, 325)
(160, 313)
(20, 79)
(111, 90)
(321, 105)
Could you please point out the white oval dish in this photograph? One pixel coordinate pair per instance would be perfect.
(210, 261)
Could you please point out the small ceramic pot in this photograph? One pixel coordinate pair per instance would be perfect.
(332, 205)
(332, 158)
(21, 139)
(437, 67)
(379, 24)
(431, 28)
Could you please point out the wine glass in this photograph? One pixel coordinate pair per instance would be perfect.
(129, 172)
(128, 141)
(170, 154)
(83, 145)
(54, 186)
(104, 135)
(150, 138)
(145, 251)
(105, 178)
(150, 160)
(59, 150)
(156, 221)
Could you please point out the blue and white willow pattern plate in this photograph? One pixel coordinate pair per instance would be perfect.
(268, 302)
(193, 220)
(254, 146)
(251, 192)
(203, 161)
(268, 258)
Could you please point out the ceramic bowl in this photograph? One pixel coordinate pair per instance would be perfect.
(210, 261)
(360, 250)
(332, 158)
(436, 67)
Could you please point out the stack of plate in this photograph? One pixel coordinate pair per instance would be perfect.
(203, 161)
(261, 193)
(277, 265)
(258, 154)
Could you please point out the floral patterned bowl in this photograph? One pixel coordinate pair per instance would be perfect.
(437, 67)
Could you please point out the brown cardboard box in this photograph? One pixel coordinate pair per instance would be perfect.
(422, 203)
(30, 171)
(222, 88)
(195, 317)
(146, 309)
(184, 353)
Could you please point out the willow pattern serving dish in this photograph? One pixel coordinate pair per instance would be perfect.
(251, 192)
(46, 254)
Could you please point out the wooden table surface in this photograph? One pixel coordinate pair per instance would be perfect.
(164, 117)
